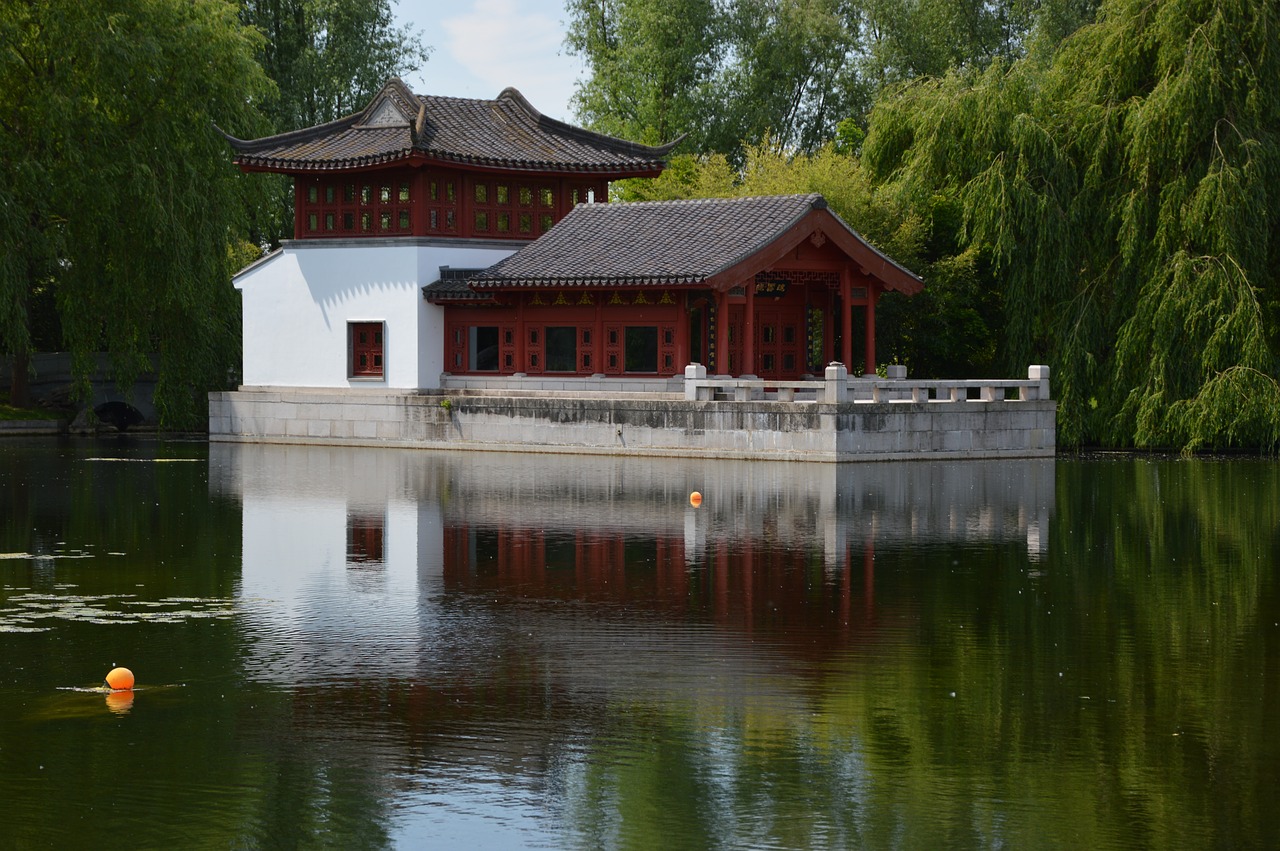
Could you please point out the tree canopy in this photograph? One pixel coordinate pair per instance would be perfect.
(118, 201)
(122, 218)
(327, 59)
(1124, 192)
(734, 74)
(1092, 187)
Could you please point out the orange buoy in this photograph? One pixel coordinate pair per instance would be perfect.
(120, 679)
(695, 499)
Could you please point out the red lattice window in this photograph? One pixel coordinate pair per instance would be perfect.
(366, 346)
(508, 209)
(356, 206)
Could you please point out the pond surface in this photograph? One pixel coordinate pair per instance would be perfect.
(381, 648)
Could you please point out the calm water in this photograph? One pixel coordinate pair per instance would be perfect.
(376, 648)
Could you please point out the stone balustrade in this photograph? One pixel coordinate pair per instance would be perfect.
(836, 386)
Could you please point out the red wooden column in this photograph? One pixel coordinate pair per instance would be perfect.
(682, 334)
(722, 333)
(418, 202)
(466, 194)
(299, 196)
(872, 292)
(521, 349)
(597, 329)
(846, 318)
(749, 331)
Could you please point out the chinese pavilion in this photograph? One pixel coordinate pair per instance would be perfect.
(438, 236)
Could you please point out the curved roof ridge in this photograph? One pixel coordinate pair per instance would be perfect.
(407, 104)
(506, 133)
(305, 134)
(816, 200)
(513, 95)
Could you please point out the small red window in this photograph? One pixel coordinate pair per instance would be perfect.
(366, 349)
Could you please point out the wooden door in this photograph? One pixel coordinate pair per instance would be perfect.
(780, 342)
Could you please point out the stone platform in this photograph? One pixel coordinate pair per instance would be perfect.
(900, 420)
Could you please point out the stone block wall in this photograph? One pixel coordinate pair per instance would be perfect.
(574, 423)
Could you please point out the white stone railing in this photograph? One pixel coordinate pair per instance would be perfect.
(837, 387)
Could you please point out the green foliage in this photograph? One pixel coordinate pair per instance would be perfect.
(947, 331)
(791, 79)
(733, 74)
(118, 195)
(652, 64)
(10, 413)
(121, 216)
(1123, 190)
(327, 59)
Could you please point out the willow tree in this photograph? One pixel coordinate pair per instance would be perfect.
(1124, 191)
(946, 331)
(117, 198)
(327, 59)
(733, 73)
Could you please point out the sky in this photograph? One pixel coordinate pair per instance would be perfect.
(480, 47)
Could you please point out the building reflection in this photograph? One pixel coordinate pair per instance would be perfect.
(352, 545)
(510, 619)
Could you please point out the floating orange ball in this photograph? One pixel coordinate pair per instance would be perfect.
(695, 499)
(120, 679)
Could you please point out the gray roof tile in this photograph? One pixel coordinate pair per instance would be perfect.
(674, 243)
(650, 243)
(504, 133)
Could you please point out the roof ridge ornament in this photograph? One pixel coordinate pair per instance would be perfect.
(391, 106)
(420, 123)
(385, 114)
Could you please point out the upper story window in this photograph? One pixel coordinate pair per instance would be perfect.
(513, 208)
(433, 202)
(356, 205)
(441, 203)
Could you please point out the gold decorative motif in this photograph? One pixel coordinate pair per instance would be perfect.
(616, 298)
(585, 298)
(537, 299)
(666, 298)
(640, 299)
(560, 299)
(818, 239)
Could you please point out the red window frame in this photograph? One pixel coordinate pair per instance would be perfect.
(366, 342)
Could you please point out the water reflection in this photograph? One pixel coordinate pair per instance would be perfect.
(378, 648)
(345, 552)
(546, 622)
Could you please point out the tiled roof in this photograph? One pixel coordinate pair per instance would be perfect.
(452, 286)
(670, 243)
(504, 133)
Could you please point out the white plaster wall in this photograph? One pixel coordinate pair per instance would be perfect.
(297, 303)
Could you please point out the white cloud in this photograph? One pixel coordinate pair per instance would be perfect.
(483, 46)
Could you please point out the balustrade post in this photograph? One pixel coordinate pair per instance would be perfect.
(1040, 373)
(837, 381)
(692, 374)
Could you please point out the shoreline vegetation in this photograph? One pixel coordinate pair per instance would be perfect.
(9, 413)
(1089, 184)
